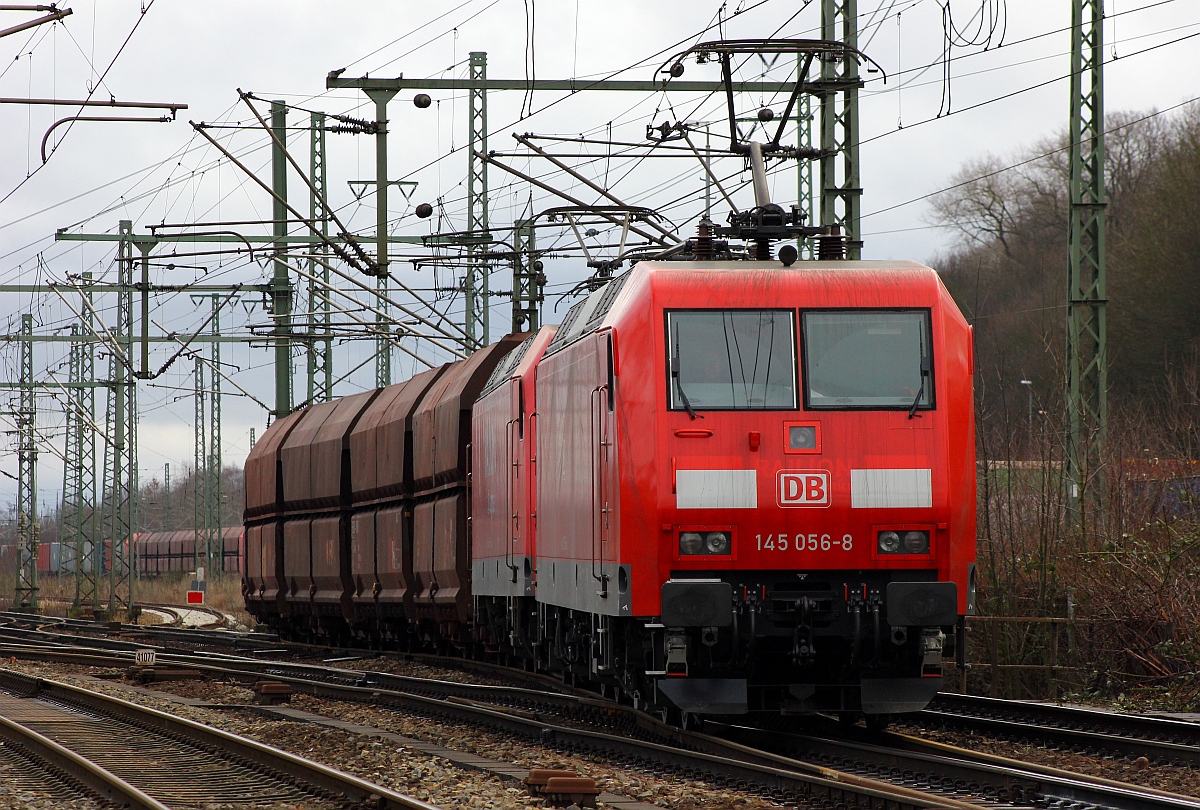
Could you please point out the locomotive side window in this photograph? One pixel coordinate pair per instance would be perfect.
(868, 359)
(731, 360)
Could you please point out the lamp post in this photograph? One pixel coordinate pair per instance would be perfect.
(1029, 388)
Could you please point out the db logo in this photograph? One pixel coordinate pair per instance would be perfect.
(803, 488)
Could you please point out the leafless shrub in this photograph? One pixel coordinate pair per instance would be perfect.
(1122, 576)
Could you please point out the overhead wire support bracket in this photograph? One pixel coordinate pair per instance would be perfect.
(162, 119)
(724, 50)
(528, 144)
(335, 82)
(320, 238)
(55, 15)
(81, 103)
(372, 266)
(564, 195)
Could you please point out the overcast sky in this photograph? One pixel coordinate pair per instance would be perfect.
(1007, 91)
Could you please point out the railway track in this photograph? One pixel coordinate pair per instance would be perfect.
(15, 620)
(29, 773)
(142, 758)
(1160, 740)
(941, 768)
(187, 616)
(742, 756)
(628, 737)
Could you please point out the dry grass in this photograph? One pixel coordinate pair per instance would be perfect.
(56, 594)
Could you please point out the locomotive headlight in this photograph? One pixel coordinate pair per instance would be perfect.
(802, 437)
(716, 543)
(691, 543)
(889, 542)
(916, 542)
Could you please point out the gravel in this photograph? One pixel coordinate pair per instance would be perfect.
(418, 669)
(409, 771)
(24, 786)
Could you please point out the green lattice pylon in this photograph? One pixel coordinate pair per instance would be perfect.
(841, 192)
(1087, 361)
(475, 282)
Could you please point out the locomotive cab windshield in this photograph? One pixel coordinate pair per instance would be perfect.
(746, 360)
(869, 359)
(732, 359)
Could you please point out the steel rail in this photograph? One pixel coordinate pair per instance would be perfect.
(254, 642)
(1168, 740)
(575, 706)
(1073, 738)
(105, 783)
(290, 765)
(907, 741)
(994, 778)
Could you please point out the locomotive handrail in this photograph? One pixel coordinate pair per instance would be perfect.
(532, 474)
(513, 529)
(599, 516)
(594, 482)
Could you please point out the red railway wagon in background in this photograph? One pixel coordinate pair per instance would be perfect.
(722, 486)
(175, 552)
(157, 553)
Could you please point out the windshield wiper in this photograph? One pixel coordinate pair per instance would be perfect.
(679, 384)
(925, 369)
(687, 405)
